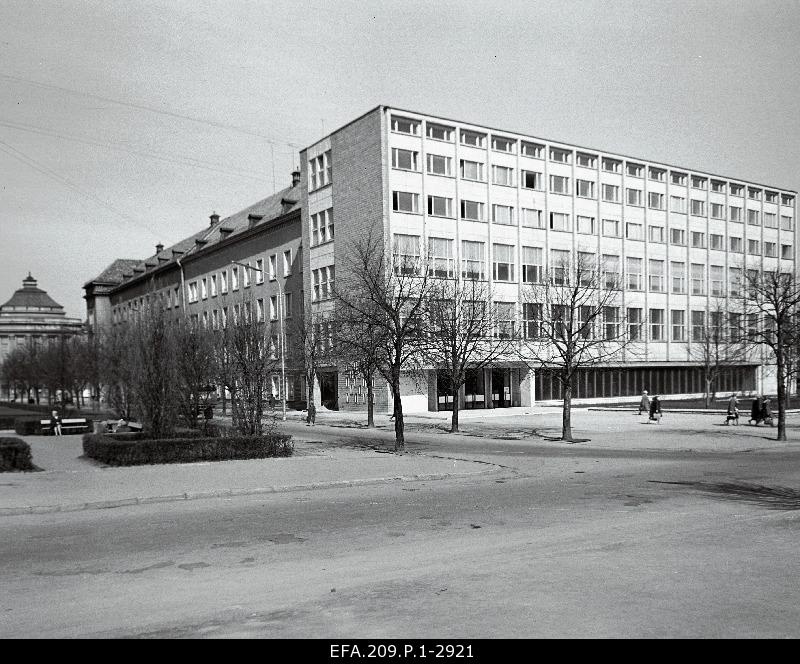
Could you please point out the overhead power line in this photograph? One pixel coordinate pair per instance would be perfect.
(151, 109)
(13, 152)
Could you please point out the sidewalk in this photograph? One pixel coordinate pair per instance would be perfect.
(72, 483)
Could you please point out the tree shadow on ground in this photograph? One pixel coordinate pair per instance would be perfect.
(775, 498)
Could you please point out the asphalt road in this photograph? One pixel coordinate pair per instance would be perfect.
(567, 542)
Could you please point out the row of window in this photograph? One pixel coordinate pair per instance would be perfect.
(441, 263)
(202, 288)
(440, 132)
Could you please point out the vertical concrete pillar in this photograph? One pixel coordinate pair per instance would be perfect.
(526, 387)
(487, 388)
(433, 391)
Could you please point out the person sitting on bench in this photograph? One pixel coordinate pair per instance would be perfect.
(55, 423)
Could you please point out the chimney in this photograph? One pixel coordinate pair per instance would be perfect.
(214, 217)
(159, 248)
(295, 177)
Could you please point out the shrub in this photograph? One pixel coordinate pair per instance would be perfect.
(133, 449)
(7, 421)
(15, 454)
(27, 426)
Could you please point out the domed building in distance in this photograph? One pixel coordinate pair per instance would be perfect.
(32, 315)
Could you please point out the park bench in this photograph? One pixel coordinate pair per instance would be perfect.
(68, 425)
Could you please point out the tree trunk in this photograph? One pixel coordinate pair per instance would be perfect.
(566, 414)
(454, 418)
(781, 397)
(399, 429)
(708, 392)
(370, 404)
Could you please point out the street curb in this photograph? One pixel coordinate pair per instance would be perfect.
(229, 493)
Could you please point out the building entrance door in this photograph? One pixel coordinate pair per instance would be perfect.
(501, 388)
(328, 392)
(474, 389)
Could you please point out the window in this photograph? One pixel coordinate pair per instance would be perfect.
(503, 175)
(439, 165)
(698, 279)
(223, 284)
(678, 325)
(698, 240)
(532, 218)
(586, 160)
(406, 160)
(439, 206)
(610, 271)
(717, 242)
(657, 325)
(472, 170)
(561, 156)
(718, 186)
(633, 271)
(505, 319)
(611, 165)
(204, 288)
(634, 323)
(472, 260)
(770, 220)
(559, 221)
(656, 233)
(634, 231)
(500, 144)
(610, 323)
(736, 244)
(678, 178)
(611, 227)
(586, 268)
(287, 262)
(678, 272)
(440, 255)
(532, 320)
(698, 208)
(213, 287)
(585, 188)
(405, 125)
(193, 291)
(734, 281)
(770, 249)
(677, 236)
(699, 183)
(754, 247)
(677, 204)
(439, 132)
(473, 138)
(787, 200)
(472, 210)
(657, 174)
(786, 252)
(215, 317)
(610, 193)
(786, 223)
(655, 201)
(259, 311)
(698, 325)
(503, 214)
(717, 279)
(322, 227)
(634, 170)
(532, 265)
(503, 265)
(754, 194)
(559, 184)
(406, 254)
(322, 282)
(736, 213)
(735, 327)
(533, 150)
(235, 278)
(319, 171)
(737, 190)
(532, 180)
(246, 275)
(559, 266)
(717, 210)
(273, 267)
(656, 275)
(273, 307)
(404, 201)
(634, 196)
(585, 224)
(224, 317)
(753, 218)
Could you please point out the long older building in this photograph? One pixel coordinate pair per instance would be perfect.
(507, 206)
(250, 261)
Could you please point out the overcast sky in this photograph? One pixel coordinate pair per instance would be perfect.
(100, 159)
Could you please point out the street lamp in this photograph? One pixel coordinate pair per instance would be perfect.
(282, 332)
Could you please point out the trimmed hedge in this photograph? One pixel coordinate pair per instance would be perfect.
(15, 454)
(27, 426)
(133, 449)
(7, 421)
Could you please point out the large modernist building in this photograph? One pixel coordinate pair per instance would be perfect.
(507, 205)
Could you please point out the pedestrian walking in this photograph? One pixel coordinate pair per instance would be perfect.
(766, 412)
(733, 410)
(644, 404)
(755, 411)
(55, 423)
(655, 410)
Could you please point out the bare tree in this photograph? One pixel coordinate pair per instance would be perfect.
(717, 344)
(465, 332)
(309, 345)
(388, 293)
(195, 368)
(115, 369)
(771, 300)
(571, 321)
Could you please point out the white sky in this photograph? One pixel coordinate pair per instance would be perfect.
(705, 84)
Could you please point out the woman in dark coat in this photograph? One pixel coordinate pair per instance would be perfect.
(755, 410)
(655, 409)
